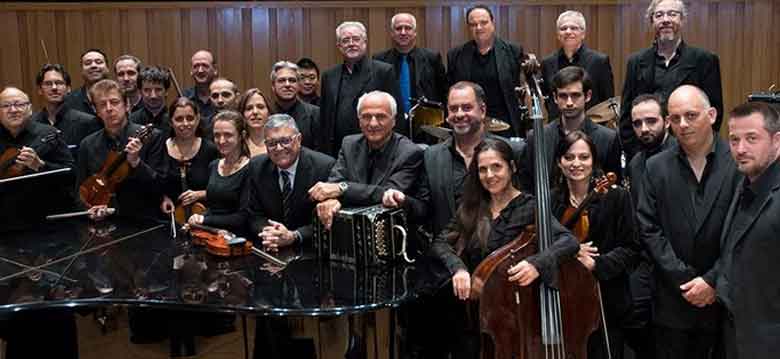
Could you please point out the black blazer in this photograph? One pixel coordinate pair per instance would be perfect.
(508, 58)
(698, 67)
(682, 249)
(263, 197)
(748, 283)
(373, 75)
(427, 75)
(595, 63)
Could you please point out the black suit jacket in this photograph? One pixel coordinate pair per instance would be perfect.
(79, 101)
(373, 75)
(748, 284)
(595, 63)
(680, 247)
(698, 67)
(427, 75)
(508, 58)
(263, 197)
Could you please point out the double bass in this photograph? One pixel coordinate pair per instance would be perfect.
(535, 321)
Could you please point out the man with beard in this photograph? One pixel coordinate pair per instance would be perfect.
(310, 81)
(126, 70)
(154, 83)
(572, 89)
(285, 84)
(94, 67)
(53, 83)
(571, 29)
(681, 211)
(343, 84)
(669, 63)
(203, 71)
(420, 71)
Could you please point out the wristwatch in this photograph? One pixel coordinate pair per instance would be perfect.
(343, 187)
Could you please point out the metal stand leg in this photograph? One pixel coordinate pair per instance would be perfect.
(391, 350)
(246, 339)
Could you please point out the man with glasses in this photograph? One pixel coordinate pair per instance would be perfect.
(53, 83)
(669, 63)
(285, 84)
(310, 81)
(572, 89)
(571, 29)
(681, 211)
(126, 70)
(94, 67)
(343, 84)
(370, 163)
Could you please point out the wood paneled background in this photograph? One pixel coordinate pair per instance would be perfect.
(248, 37)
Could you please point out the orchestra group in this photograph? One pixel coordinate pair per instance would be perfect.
(681, 243)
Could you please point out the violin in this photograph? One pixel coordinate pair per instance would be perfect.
(98, 188)
(223, 243)
(182, 213)
(576, 219)
(10, 168)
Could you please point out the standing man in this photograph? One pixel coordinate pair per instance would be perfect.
(747, 285)
(203, 71)
(681, 211)
(669, 63)
(310, 81)
(94, 67)
(126, 70)
(285, 85)
(571, 30)
(420, 71)
(53, 83)
(492, 63)
(343, 84)
(154, 83)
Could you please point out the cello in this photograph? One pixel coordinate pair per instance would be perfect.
(535, 321)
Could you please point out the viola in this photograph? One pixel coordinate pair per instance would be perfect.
(218, 242)
(98, 188)
(576, 219)
(10, 168)
(182, 213)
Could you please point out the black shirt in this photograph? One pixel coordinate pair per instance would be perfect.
(206, 109)
(750, 192)
(160, 122)
(636, 168)
(223, 199)
(78, 100)
(197, 173)
(485, 73)
(459, 172)
(75, 125)
(697, 188)
(307, 118)
(313, 99)
(349, 90)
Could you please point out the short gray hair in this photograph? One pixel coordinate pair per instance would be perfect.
(414, 20)
(281, 120)
(284, 64)
(346, 24)
(575, 15)
(386, 96)
(653, 4)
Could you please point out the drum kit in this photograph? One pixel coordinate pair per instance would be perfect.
(606, 113)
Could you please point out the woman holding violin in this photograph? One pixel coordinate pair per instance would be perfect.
(227, 175)
(493, 212)
(601, 216)
(189, 156)
(254, 106)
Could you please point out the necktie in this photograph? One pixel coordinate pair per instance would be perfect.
(286, 191)
(405, 82)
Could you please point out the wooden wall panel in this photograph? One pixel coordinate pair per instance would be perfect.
(248, 37)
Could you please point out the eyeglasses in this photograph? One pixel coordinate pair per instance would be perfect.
(19, 105)
(310, 77)
(672, 14)
(379, 117)
(291, 80)
(53, 83)
(284, 141)
(573, 28)
(351, 39)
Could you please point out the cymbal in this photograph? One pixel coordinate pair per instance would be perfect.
(436, 131)
(495, 125)
(603, 112)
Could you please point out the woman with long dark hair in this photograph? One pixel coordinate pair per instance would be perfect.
(255, 108)
(493, 212)
(610, 249)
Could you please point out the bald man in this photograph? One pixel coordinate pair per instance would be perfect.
(203, 71)
(682, 207)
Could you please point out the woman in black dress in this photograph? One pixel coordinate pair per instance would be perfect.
(492, 213)
(610, 250)
(254, 107)
(227, 175)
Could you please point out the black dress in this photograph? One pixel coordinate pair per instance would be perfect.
(223, 199)
(198, 171)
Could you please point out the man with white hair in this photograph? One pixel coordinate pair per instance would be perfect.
(571, 29)
(343, 84)
(666, 65)
(285, 84)
(371, 163)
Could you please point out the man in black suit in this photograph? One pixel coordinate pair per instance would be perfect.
(492, 63)
(681, 212)
(371, 163)
(748, 284)
(420, 71)
(285, 84)
(275, 224)
(126, 70)
(94, 67)
(669, 63)
(573, 52)
(343, 84)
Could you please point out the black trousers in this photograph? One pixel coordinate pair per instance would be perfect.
(687, 343)
(597, 345)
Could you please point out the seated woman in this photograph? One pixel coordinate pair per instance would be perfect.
(254, 106)
(188, 157)
(493, 212)
(610, 250)
(227, 175)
